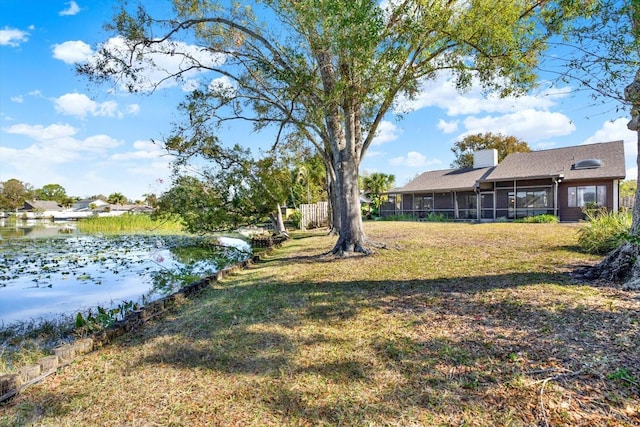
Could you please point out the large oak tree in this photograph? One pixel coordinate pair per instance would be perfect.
(602, 55)
(328, 70)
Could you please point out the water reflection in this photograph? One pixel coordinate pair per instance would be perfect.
(57, 274)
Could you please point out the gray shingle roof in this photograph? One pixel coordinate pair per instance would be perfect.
(47, 205)
(443, 180)
(560, 161)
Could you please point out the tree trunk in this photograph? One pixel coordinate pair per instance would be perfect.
(334, 206)
(623, 264)
(352, 238)
(278, 221)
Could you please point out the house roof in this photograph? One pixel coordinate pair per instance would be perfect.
(443, 180)
(47, 205)
(562, 161)
(534, 164)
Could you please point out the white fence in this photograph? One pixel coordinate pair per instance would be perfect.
(314, 215)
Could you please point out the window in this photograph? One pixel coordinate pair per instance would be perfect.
(422, 203)
(535, 198)
(580, 196)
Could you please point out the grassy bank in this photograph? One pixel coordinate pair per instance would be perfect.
(454, 324)
(129, 223)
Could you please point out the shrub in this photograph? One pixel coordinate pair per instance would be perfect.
(399, 217)
(296, 219)
(604, 231)
(539, 219)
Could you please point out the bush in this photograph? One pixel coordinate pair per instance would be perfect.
(295, 219)
(400, 217)
(539, 219)
(605, 231)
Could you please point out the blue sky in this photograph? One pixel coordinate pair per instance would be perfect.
(57, 128)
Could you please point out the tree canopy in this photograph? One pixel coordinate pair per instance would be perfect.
(54, 192)
(326, 71)
(13, 194)
(464, 148)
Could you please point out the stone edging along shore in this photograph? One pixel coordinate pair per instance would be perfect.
(12, 384)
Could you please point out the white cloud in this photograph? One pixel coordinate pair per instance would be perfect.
(72, 52)
(414, 159)
(158, 62)
(442, 93)
(142, 150)
(80, 105)
(616, 130)
(133, 109)
(53, 145)
(41, 133)
(12, 37)
(18, 99)
(529, 125)
(73, 9)
(386, 132)
(447, 127)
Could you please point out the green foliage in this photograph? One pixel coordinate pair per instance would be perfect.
(628, 188)
(399, 217)
(544, 218)
(13, 194)
(296, 219)
(374, 185)
(130, 223)
(117, 199)
(54, 192)
(435, 217)
(431, 217)
(103, 318)
(605, 231)
(622, 374)
(464, 148)
(309, 179)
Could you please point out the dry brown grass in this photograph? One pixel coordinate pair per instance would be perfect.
(453, 324)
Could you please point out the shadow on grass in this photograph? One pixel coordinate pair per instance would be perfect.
(472, 339)
(442, 351)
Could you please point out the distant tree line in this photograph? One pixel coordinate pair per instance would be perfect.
(14, 193)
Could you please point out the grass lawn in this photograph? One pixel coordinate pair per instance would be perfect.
(453, 324)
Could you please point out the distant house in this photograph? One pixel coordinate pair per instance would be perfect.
(559, 182)
(40, 209)
(88, 204)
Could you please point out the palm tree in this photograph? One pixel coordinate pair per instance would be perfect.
(117, 199)
(375, 184)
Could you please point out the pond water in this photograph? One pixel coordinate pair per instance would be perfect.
(51, 270)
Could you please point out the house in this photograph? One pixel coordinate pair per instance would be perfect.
(558, 182)
(88, 204)
(40, 209)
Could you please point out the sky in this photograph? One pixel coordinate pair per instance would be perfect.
(58, 128)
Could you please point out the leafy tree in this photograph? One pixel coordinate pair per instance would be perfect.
(375, 184)
(151, 199)
(54, 192)
(628, 188)
(464, 148)
(602, 55)
(328, 71)
(309, 181)
(233, 190)
(117, 199)
(13, 194)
